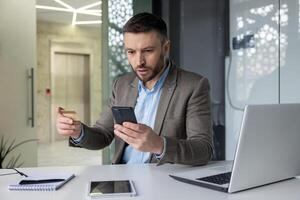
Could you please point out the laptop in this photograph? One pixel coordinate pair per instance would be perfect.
(268, 151)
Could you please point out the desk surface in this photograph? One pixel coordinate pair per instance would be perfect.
(151, 182)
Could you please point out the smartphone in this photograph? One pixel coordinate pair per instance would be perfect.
(123, 114)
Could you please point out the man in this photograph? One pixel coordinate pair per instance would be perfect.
(172, 106)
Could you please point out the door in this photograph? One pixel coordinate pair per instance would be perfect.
(70, 86)
(17, 58)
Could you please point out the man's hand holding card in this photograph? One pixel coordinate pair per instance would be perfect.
(68, 123)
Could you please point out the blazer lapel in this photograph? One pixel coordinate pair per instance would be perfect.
(166, 95)
(130, 100)
(133, 93)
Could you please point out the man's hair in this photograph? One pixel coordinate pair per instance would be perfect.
(146, 22)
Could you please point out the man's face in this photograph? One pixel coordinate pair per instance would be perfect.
(146, 53)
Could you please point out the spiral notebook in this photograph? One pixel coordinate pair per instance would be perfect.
(50, 182)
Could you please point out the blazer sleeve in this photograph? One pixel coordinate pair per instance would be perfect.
(102, 133)
(197, 148)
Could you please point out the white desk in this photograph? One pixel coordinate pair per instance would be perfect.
(151, 181)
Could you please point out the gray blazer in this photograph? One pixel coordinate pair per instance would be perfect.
(183, 118)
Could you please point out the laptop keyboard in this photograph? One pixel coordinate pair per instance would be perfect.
(219, 179)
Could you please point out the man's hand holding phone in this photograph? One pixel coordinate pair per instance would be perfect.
(139, 136)
(68, 123)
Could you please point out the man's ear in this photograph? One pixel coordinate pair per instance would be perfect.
(166, 47)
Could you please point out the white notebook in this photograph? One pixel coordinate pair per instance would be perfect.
(38, 182)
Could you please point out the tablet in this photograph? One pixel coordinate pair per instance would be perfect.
(98, 189)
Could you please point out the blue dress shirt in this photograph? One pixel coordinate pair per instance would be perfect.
(145, 111)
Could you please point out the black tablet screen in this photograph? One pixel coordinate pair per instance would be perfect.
(110, 187)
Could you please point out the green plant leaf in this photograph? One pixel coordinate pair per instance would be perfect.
(6, 148)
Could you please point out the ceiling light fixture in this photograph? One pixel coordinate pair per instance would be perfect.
(74, 18)
(88, 22)
(82, 10)
(53, 8)
(90, 5)
(86, 12)
(64, 4)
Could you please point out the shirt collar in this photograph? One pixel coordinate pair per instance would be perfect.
(159, 82)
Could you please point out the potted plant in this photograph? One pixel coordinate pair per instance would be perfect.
(6, 148)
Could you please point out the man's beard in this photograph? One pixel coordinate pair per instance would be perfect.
(155, 71)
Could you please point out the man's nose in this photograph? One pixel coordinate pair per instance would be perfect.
(140, 60)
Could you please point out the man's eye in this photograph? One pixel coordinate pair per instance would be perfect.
(149, 50)
(130, 52)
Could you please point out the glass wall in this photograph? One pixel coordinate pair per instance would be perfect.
(262, 67)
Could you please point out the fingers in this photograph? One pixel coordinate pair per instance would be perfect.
(67, 132)
(69, 129)
(127, 131)
(135, 127)
(63, 126)
(67, 126)
(70, 133)
(146, 141)
(58, 110)
(124, 137)
(65, 120)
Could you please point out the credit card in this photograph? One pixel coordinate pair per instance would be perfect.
(70, 114)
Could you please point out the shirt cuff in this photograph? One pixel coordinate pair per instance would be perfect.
(78, 140)
(159, 156)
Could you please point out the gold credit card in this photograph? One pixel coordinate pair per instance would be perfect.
(71, 114)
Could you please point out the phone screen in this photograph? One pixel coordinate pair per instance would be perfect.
(123, 114)
(110, 187)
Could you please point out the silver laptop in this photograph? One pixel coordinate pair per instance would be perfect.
(268, 151)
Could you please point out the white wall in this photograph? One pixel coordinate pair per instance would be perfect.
(17, 56)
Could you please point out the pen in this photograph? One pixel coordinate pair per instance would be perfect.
(21, 173)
